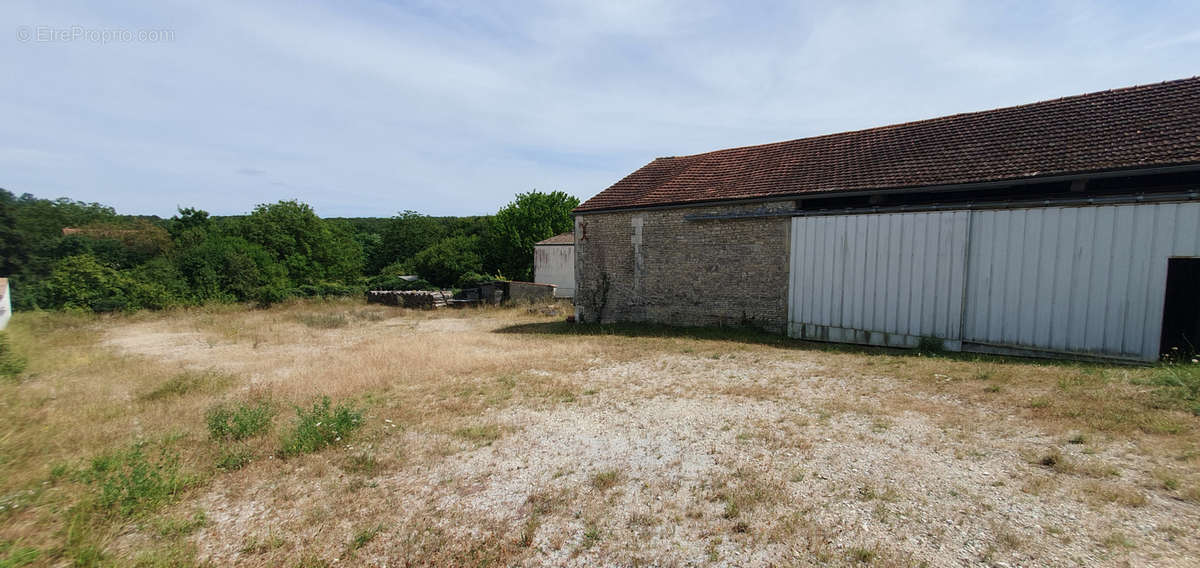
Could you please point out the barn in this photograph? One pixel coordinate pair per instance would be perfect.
(554, 263)
(1068, 227)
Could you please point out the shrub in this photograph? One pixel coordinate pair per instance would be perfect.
(239, 421)
(319, 427)
(11, 364)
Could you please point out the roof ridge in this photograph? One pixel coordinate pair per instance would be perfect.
(935, 119)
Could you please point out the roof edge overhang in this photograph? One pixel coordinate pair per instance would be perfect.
(967, 186)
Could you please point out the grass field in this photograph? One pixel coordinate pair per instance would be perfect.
(341, 434)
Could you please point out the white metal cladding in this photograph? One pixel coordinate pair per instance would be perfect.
(886, 279)
(1076, 279)
(1072, 279)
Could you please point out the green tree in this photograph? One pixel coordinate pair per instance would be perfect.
(309, 248)
(225, 268)
(405, 235)
(532, 217)
(445, 262)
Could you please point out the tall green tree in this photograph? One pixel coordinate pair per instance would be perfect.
(309, 248)
(405, 235)
(530, 218)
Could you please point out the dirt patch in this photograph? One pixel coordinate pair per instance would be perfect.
(535, 450)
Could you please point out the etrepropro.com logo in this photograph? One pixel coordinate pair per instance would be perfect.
(51, 34)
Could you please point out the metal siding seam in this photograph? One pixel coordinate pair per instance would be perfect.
(1114, 335)
(904, 306)
(1030, 261)
(879, 292)
(1045, 280)
(1101, 273)
(962, 227)
(995, 309)
(930, 278)
(1065, 275)
(858, 284)
(1141, 237)
(890, 293)
(1080, 280)
(1157, 287)
(1010, 301)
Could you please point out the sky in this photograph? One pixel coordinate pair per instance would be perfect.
(368, 108)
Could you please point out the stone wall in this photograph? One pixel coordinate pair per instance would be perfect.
(655, 266)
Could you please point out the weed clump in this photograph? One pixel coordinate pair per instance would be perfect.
(239, 421)
(319, 427)
(129, 482)
(1179, 383)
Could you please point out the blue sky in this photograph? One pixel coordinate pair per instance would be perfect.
(366, 108)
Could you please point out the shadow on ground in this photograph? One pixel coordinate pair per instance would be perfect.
(758, 337)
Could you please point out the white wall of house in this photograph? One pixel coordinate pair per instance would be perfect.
(1074, 280)
(555, 264)
(5, 304)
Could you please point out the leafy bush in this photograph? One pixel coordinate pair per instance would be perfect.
(470, 279)
(319, 427)
(11, 364)
(128, 482)
(239, 421)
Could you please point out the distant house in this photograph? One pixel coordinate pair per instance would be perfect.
(554, 263)
(1069, 226)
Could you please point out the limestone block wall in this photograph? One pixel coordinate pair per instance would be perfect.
(655, 266)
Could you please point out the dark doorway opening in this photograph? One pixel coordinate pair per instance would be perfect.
(1181, 310)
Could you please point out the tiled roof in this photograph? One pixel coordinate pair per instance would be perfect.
(563, 239)
(1134, 127)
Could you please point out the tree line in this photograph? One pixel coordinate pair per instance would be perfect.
(106, 262)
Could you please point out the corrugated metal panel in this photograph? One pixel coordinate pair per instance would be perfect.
(882, 279)
(1087, 280)
(1080, 279)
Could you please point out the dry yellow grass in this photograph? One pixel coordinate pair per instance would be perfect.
(499, 436)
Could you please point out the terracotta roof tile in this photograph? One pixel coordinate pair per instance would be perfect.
(563, 239)
(1134, 127)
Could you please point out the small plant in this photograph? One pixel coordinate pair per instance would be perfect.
(930, 346)
(11, 364)
(13, 556)
(863, 555)
(234, 459)
(319, 427)
(324, 321)
(364, 536)
(360, 463)
(479, 435)
(1039, 402)
(181, 527)
(188, 382)
(591, 535)
(239, 421)
(1179, 383)
(606, 480)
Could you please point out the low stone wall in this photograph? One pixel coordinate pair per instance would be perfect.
(416, 299)
(656, 266)
(528, 292)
